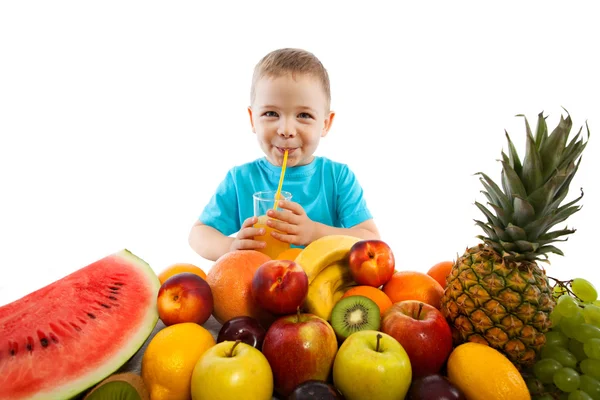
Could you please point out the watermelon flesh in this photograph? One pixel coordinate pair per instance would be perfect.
(63, 338)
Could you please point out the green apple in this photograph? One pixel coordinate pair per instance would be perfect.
(232, 370)
(372, 365)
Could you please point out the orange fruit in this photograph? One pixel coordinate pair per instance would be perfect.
(230, 280)
(289, 254)
(413, 285)
(440, 271)
(169, 360)
(373, 293)
(179, 268)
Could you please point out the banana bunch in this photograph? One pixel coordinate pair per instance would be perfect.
(328, 288)
(325, 262)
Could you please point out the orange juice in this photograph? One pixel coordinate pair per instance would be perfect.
(274, 247)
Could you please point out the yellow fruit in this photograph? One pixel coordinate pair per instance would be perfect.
(230, 371)
(324, 251)
(170, 357)
(179, 268)
(327, 288)
(483, 373)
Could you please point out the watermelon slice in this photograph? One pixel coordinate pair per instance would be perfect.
(66, 337)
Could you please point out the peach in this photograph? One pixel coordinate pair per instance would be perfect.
(184, 297)
(371, 262)
(279, 286)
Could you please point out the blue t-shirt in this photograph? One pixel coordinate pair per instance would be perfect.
(327, 190)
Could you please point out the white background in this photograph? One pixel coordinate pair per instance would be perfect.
(118, 119)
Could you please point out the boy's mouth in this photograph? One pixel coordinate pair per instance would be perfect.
(283, 149)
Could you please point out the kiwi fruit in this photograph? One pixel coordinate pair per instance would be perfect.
(122, 386)
(355, 313)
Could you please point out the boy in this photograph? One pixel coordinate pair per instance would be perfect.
(289, 110)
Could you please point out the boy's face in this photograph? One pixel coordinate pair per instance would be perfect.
(290, 114)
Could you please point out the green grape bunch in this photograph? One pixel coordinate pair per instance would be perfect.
(569, 363)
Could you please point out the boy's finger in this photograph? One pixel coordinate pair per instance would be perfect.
(286, 216)
(292, 206)
(249, 244)
(282, 226)
(249, 222)
(283, 237)
(251, 232)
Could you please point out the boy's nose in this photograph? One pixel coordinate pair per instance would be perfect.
(286, 129)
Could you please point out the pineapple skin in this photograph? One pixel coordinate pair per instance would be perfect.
(503, 303)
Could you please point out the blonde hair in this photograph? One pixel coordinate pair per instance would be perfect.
(291, 60)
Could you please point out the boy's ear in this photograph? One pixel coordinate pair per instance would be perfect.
(327, 124)
(251, 119)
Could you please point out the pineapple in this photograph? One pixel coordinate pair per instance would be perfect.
(496, 293)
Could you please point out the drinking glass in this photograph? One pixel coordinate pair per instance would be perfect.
(264, 201)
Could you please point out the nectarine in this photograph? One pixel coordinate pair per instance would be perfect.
(184, 297)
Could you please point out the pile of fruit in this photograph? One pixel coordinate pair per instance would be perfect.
(335, 320)
(338, 321)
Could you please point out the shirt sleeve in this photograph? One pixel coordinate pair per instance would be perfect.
(221, 212)
(352, 207)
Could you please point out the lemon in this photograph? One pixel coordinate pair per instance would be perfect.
(169, 360)
(483, 373)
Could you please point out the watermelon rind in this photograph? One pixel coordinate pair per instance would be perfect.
(72, 388)
(134, 344)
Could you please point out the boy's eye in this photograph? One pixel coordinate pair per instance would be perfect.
(270, 114)
(304, 115)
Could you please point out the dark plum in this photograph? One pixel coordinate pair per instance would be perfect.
(246, 329)
(315, 390)
(434, 387)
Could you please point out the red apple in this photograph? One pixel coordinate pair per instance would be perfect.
(423, 332)
(184, 297)
(279, 286)
(299, 347)
(371, 262)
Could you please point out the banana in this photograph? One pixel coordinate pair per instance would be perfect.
(323, 252)
(327, 288)
(337, 295)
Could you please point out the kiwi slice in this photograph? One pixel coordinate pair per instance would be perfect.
(123, 386)
(354, 313)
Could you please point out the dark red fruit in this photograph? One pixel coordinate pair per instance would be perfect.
(434, 387)
(315, 390)
(246, 329)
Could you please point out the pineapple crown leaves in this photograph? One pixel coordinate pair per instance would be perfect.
(528, 203)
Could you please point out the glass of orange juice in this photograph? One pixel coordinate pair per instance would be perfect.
(263, 202)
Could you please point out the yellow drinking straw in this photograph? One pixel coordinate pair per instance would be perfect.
(278, 194)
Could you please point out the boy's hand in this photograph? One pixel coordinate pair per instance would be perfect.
(244, 240)
(297, 228)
